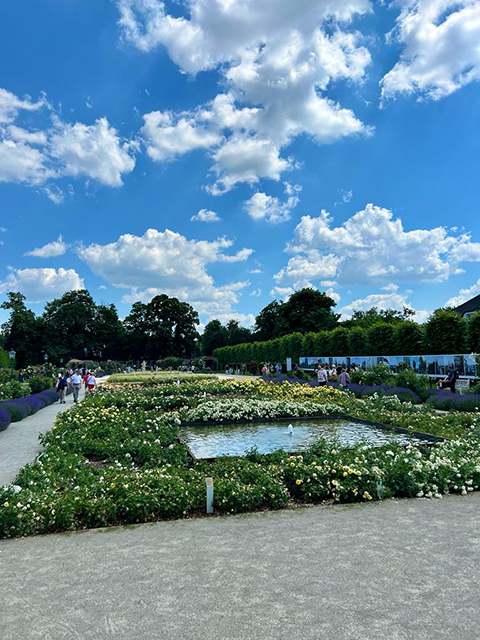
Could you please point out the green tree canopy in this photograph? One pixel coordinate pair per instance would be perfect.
(23, 331)
(445, 332)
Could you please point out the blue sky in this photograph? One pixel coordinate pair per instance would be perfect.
(252, 119)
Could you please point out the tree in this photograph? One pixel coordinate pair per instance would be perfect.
(380, 339)
(474, 333)
(69, 322)
(357, 341)
(135, 325)
(445, 332)
(268, 323)
(308, 310)
(409, 338)
(237, 334)
(366, 319)
(108, 339)
(170, 327)
(23, 331)
(214, 337)
(321, 345)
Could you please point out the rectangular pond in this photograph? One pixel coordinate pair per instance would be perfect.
(213, 441)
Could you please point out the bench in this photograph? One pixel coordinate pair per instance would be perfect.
(462, 385)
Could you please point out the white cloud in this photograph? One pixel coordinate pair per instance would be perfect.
(246, 159)
(51, 250)
(38, 285)
(392, 299)
(464, 295)
(204, 215)
(21, 163)
(282, 292)
(277, 61)
(256, 293)
(94, 151)
(264, 207)
(10, 105)
(372, 246)
(35, 156)
(168, 136)
(441, 52)
(167, 262)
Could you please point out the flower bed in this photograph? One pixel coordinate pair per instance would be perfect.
(20, 408)
(447, 400)
(107, 464)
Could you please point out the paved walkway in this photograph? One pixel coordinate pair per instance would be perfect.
(397, 570)
(19, 442)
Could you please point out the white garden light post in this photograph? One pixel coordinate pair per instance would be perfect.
(11, 355)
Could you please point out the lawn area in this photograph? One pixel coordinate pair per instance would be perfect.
(116, 457)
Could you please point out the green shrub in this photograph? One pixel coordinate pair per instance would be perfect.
(379, 374)
(411, 380)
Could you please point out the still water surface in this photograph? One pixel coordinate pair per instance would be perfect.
(234, 440)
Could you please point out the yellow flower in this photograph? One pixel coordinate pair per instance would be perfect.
(5, 504)
(292, 464)
(366, 495)
(112, 484)
(314, 462)
(272, 495)
(298, 481)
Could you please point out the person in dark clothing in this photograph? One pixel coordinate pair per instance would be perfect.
(452, 377)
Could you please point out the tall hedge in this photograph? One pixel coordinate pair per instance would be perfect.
(474, 333)
(445, 332)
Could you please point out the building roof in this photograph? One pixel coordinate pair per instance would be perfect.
(469, 306)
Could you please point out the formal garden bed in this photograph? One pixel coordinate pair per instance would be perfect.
(116, 458)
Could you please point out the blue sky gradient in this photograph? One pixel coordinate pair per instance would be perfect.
(419, 160)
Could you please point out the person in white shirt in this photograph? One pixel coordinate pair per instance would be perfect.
(76, 379)
(322, 376)
(91, 382)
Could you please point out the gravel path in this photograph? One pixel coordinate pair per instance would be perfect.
(395, 570)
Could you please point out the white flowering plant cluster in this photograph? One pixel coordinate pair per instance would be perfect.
(116, 458)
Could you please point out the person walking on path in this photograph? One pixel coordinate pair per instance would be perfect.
(62, 387)
(76, 379)
(91, 382)
(322, 376)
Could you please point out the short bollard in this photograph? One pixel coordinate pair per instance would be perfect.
(209, 483)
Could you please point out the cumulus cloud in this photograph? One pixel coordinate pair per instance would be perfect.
(167, 262)
(204, 215)
(94, 151)
(50, 250)
(391, 299)
(440, 48)
(464, 295)
(168, 136)
(35, 157)
(277, 61)
(38, 285)
(270, 208)
(372, 246)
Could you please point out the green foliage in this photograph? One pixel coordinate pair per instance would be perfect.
(408, 338)
(338, 342)
(23, 331)
(214, 337)
(379, 374)
(366, 319)
(411, 380)
(4, 359)
(445, 332)
(357, 341)
(473, 327)
(380, 339)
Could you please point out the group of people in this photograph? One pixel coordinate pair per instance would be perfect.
(449, 381)
(74, 378)
(335, 373)
(271, 369)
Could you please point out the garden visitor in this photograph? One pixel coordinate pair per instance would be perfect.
(279, 368)
(85, 378)
(21, 376)
(264, 370)
(62, 387)
(344, 378)
(91, 382)
(76, 379)
(322, 376)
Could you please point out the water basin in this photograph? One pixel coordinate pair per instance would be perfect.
(206, 442)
